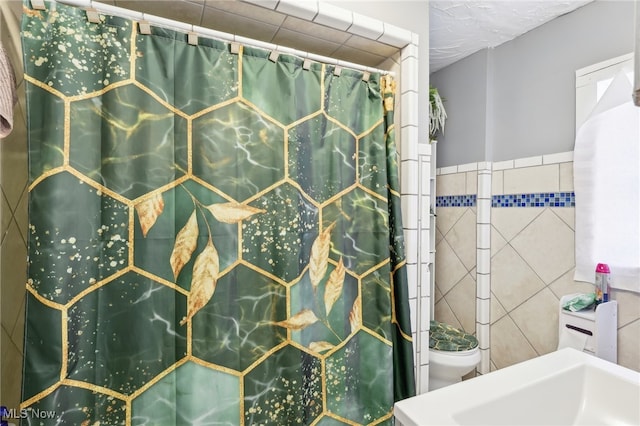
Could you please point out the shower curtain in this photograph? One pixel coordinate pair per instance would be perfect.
(215, 236)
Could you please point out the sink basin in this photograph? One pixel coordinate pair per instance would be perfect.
(566, 387)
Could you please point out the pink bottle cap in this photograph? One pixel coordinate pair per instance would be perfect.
(603, 268)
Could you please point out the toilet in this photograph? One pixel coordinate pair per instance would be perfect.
(452, 354)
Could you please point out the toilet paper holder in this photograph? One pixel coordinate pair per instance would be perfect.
(592, 331)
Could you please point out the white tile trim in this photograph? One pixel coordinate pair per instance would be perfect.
(560, 157)
(528, 162)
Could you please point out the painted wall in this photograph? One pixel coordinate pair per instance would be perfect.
(530, 86)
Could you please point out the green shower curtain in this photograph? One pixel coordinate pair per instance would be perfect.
(215, 236)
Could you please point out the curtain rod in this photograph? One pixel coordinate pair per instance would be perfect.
(219, 35)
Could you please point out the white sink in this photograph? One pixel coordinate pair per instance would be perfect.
(566, 387)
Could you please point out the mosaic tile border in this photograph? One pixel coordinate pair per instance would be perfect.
(456, 201)
(542, 199)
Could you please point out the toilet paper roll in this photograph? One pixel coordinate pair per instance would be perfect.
(572, 339)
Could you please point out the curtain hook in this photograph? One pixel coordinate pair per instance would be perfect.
(38, 5)
(365, 76)
(306, 64)
(145, 27)
(337, 70)
(92, 14)
(235, 47)
(192, 37)
(273, 57)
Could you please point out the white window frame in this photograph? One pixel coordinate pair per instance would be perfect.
(591, 82)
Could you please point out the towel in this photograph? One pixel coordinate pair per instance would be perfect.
(607, 187)
(8, 97)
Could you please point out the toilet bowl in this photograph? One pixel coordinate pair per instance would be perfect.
(452, 354)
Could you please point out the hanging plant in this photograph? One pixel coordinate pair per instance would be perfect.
(437, 114)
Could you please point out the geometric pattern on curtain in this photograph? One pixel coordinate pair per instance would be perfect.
(215, 238)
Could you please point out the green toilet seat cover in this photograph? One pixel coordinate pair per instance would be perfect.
(444, 337)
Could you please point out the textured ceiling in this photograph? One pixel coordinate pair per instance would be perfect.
(460, 28)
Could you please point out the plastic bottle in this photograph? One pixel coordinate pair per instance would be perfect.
(602, 282)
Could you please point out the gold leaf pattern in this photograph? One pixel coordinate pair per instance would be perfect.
(300, 320)
(320, 346)
(185, 244)
(232, 212)
(320, 256)
(355, 316)
(148, 212)
(333, 290)
(205, 276)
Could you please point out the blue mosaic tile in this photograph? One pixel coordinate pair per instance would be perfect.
(456, 201)
(543, 199)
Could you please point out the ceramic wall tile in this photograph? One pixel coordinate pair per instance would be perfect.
(424, 379)
(527, 162)
(497, 182)
(333, 16)
(497, 310)
(395, 36)
(508, 345)
(409, 108)
(510, 221)
(451, 184)
(484, 185)
(485, 361)
(628, 344)
(532, 179)
(484, 260)
(425, 313)
(566, 285)
(560, 157)
(10, 371)
(408, 176)
(502, 165)
(547, 245)
(497, 241)
(567, 214)
(319, 31)
(483, 311)
(410, 211)
(447, 218)
(426, 205)
(413, 307)
(408, 147)
(628, 306)
(483, 290)
(462, 238)
(412, 278)
(483, 235)
(366, 27)
(302, 9)
(512, 280)
(444, 314)
(537, 318)
(450, 269)
(462, 303)
(471, 179)
(566, 177)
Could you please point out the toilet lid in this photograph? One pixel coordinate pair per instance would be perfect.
(444, 337)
